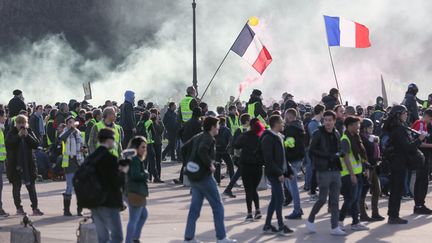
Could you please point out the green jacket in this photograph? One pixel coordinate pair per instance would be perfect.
(137, 178)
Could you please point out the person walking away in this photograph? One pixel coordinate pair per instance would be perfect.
(251, 166)
(137, 190)
(223, 141)
(127, 117)
(201, 152)
(187, 105)
(276, 168)
(112, 176)
(422, 173)
(158, 137)
(255, 108)
(352, 159)
(399, 151)
(324, 152)
(72, 158)
(2, 159)
(371, 144)
(172, 125)
(20, 166)
(294, 153)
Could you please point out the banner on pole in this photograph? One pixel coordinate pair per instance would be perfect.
(87, 91)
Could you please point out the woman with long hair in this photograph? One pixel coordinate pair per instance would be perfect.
(137, 190)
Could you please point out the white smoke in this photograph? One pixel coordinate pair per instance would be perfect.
(50, 70)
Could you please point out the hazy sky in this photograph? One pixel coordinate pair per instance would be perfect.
(159, 68)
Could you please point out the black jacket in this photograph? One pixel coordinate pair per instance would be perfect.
(330, 102)
(248, 142)
(12, 143)
(323, 149)
(190, 129)
(296, 131)
(204, 146)
(259, 110)
(127, 116)
(171, 122)
(34, 125)
(411, 104)
(223, 139)
(370, 150)
(15, 106)
(273, 154)
(159, 130)
(112, 180)
(405, 149)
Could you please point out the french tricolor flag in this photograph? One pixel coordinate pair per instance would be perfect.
(250, 48)
(345, 33)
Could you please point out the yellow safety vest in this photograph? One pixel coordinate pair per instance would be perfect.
(74, 114)
(426, 104)
(2, 147)
(356, 165)
(147, 125)
(251, 112)
(65, 157)
(289, 142)
(46, 132)
(185, 109)
(234, 125)
(100, 125)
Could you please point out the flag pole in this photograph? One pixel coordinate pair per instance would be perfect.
(331, 60)
(223, 60)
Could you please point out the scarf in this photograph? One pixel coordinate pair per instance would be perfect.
(357, 146)
(74, 143)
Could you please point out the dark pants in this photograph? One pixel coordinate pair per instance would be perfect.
(375, 188)
(314, 183)
(421, 182)
(351, 194)
(150, 162)
(158, 157)
(397, 178)
(276, 201)
(228, 161)
(171, 147)
(16, 192)
(251, 177)
(233, 180)
(128, 135)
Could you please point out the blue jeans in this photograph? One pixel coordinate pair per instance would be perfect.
(137, 219)
(69, 184)
(206, 188)
(293, 187)
(276, 201)
(1, 182)
(308, 172)
(108, 224)
(352, 195)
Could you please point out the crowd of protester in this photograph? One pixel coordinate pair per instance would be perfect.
(342, 150)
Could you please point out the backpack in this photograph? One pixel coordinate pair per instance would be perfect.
(193, 169)
(88, 188)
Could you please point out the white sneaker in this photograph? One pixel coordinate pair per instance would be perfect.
(341, 225)
(192, 241)
(359, 227)
(310, 226)
(337, 232)
(227, 240)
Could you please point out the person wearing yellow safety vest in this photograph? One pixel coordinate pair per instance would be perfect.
(50, 130)
(425, 103)
(2, 160)
(294, 153)
(72, 157)
(187, 104)
(352, 159)
(108, 121)
(233, 121)
(255, 108)
(145, 128)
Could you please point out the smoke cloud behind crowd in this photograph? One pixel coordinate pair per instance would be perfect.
(48, 48)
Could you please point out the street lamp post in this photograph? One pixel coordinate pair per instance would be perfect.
(194, 79)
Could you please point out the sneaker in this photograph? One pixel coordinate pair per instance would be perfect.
(294, 215)
(337, 232)
(229, 194)
(20, 211)
(366, 218)
(422, 210)
(37, 212)
(285, 230)
(397, 221)
(341, 225)
(310, 227)
(226, 240)
(192, 241)
(359, 227)
(249, 218)
(3, 213)
(406, 197)
(377, 217)
(258, 215)
(237, 185)
(270, 229)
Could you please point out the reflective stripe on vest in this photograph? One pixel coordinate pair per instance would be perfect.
(100, 125)
(234, 125)
(251, 112)
(46, 132)
(65, 157)
(2, 147)
(74, 114)
(355, 164)
(185, 109)
(147, 125)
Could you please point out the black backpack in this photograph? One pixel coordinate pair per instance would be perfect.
(88, 188)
